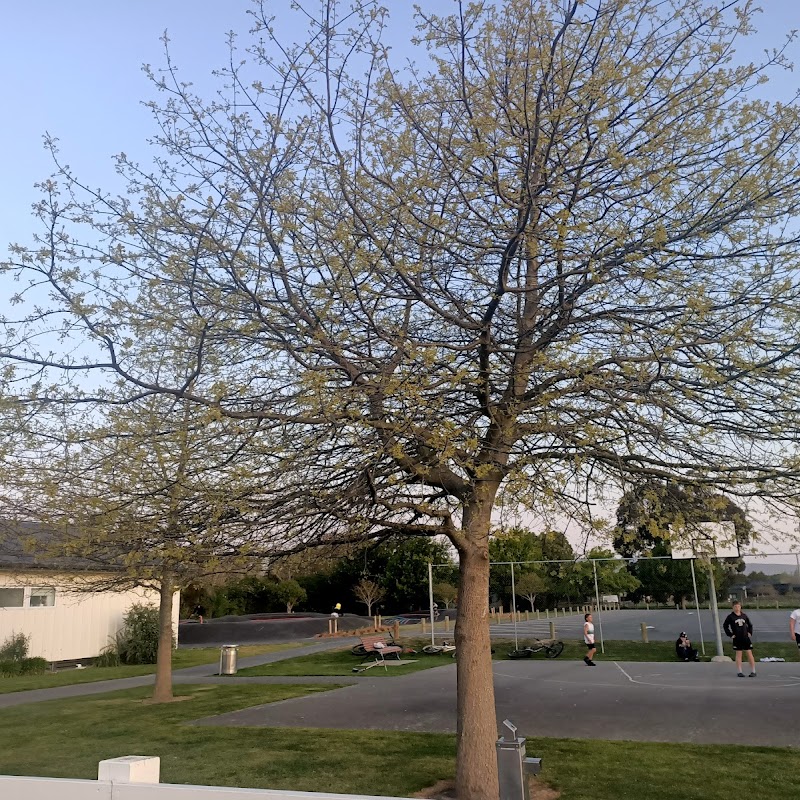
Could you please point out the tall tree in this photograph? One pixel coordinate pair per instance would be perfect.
(153, 493)
(368, 592)
(557, 252)
(529, 585)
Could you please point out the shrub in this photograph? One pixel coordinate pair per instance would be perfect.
(11, 668)
(34, 666)
(15, 647)
(137, 642)
(109, 656)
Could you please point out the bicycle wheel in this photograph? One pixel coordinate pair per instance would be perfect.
(431, 650)
(554, 651)
(524, 653)
(359, 650)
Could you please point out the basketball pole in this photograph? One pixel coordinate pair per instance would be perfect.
(430, 597)
(599, 616)
(715, 612)
(514, 605)
(697, 607)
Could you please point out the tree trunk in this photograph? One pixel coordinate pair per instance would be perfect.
(162, 692)
(476, 769)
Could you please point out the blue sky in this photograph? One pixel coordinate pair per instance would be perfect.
(74, 69)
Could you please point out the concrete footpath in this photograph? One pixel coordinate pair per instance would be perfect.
(204, 673)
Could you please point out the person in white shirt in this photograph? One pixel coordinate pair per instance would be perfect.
(588, 638)
(794, 626)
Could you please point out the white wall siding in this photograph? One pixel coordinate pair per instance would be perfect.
(79, 625)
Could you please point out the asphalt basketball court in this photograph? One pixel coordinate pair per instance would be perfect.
(661, 702)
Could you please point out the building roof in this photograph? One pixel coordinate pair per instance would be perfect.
(31, 545)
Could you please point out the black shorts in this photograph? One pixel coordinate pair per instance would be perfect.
(742, 644)
(592, 645)
(797, 639)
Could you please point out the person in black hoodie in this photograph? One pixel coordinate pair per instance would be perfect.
(738, 626)
(684, 649)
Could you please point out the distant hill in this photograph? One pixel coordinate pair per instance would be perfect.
(769, 569)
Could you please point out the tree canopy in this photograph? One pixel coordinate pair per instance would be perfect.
(556, 253)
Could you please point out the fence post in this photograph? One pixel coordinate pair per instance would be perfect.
(552, 630)
(644, 633)
(130, 769)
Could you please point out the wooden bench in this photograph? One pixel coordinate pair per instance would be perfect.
(376, 646)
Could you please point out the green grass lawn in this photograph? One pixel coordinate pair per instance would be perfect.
(653, 651)
(189, 657)
(342, 662)
(66, 738)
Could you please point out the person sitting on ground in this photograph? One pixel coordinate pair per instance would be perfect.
(684, 649)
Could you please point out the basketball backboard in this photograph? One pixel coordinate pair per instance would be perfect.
(706, 540)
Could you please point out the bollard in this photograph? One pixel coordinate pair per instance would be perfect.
(644, 633)
(424, 624)
(538, 615)
(500, 610)
(552, 630)
(380, 620)
(570, 609)
(513, 767)
(547, 613)
(336, 624)
(527, 616)
(447, 623)
(396, 630)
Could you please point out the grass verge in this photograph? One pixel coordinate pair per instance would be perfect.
(616, 650)
(342, 662)
(189, 657)
(66, 738)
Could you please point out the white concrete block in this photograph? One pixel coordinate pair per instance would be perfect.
(130, 769)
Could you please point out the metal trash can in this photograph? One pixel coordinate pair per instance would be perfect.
(228, 659)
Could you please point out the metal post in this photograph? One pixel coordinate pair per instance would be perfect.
(697, 607)
(597, 597)
(715, 612)
(430, 597)
(514, 605)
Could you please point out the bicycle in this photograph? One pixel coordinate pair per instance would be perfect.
(439, 649)
(552, 649)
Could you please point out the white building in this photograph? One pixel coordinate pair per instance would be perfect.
(46, 599)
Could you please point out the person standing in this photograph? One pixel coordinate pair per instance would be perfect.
(588, 638)
(794, 626)
(738, 626)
